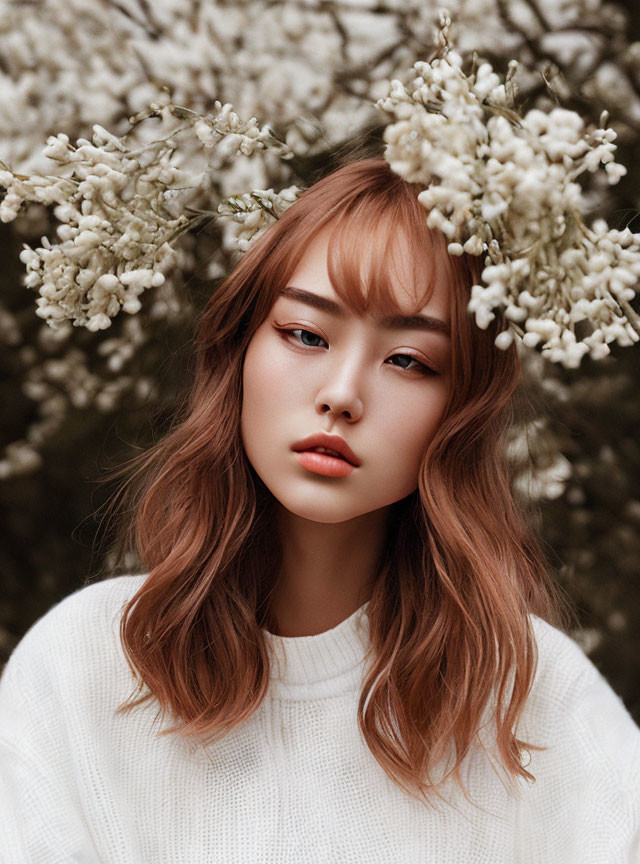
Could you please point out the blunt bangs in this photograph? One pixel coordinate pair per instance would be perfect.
(381, 251)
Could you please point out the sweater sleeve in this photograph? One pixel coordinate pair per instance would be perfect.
(587, 791)
(611, 744)
(41, 820)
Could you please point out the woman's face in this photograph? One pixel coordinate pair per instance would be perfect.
(382, 389)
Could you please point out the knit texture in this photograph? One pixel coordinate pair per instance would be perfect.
(295, 783)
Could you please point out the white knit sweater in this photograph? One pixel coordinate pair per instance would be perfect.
(296, 783)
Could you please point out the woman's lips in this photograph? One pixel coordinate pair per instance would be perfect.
(321, 463)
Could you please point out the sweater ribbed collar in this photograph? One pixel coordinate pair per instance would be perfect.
(308, 666)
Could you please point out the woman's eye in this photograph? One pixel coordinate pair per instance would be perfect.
(419, 366)
(312, 340)
(306, 333)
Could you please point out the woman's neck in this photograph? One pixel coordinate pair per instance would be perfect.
(327, 570)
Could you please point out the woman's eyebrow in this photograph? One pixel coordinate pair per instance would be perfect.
(389, 322)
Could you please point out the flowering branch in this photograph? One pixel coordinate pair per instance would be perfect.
(121, 204)
(251, 213)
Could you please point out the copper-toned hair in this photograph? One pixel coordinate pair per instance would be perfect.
(461, 571)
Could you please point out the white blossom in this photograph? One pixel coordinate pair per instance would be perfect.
(541, 471)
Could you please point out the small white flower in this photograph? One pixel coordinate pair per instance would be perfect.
(504, 340)
(98, 322)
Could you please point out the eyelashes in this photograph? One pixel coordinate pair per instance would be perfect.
(289, 334)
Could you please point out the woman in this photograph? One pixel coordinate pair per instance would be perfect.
(345, 633)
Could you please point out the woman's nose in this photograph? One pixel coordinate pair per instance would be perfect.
(341, 394)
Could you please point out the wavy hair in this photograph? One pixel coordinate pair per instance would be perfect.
(451, 641)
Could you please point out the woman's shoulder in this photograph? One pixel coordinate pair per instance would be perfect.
(561, 660)
(570, 698)
(68, 672)
(81, 626)
(563, 666)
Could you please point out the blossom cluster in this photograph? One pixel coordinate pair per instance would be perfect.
(120, 205)
(249, 214)
(503, 186)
